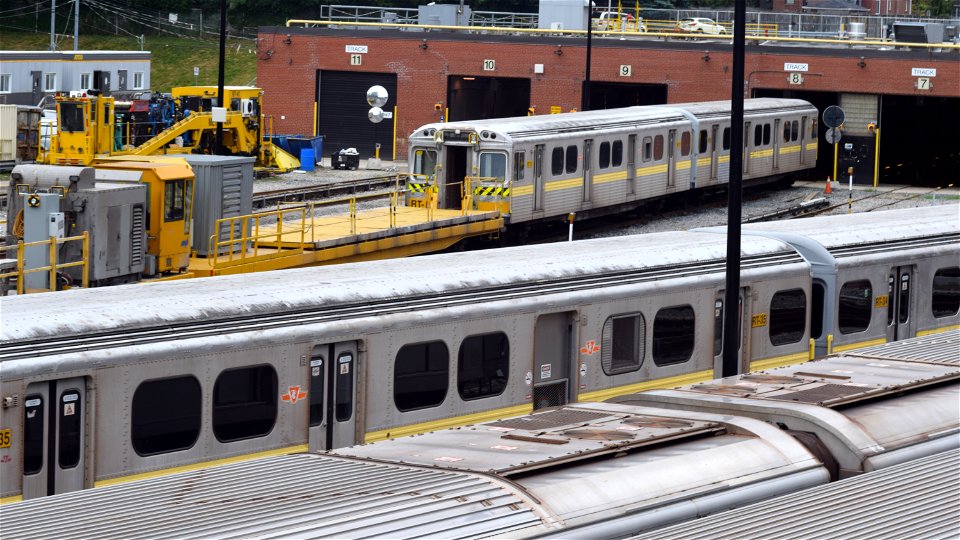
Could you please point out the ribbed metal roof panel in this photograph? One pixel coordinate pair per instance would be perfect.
(942, 348)
(294, 496)
(918, 499)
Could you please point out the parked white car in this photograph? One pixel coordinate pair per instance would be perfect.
(607, 21)
(700, 25)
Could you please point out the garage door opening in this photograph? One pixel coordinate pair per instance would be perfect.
(478, 98)
(342, 112)
(606, 95)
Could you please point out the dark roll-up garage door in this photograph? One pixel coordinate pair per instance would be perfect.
(342, 112)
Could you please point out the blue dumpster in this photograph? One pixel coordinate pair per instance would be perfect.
(307, 159)
(298, 143)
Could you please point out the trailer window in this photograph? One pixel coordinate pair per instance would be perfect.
(556, 161)
(33, 420)
(166, 415)
(174, 199)
(420, 375)
(493, 165)
(673, 335)
(788, 316)
(71, 117)
(855, 306)
(483, 366)
(244, 403)
(946, 292)
(571, 161)
(622, 345)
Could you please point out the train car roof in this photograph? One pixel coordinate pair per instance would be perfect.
(80, 312)
(293, 496)
(912, 500)
(517, 125)
(848, 396)
(864, 228)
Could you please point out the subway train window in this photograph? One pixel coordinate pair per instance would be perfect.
(622, 345)
(519, 165)
(904, 302)
(702, 148)
(343, 406)
(244, 403)
(794, 130)
(33, 420)
(572, 157)
(658, 148)
(483, 366)
(160, 424)
(420, 375)
(69, 425)
(855, 306)
(556, 161)
(673, 335)
(758, 135)
(946, 292)
(647, 148)
(766, 134)
(816, 315)
(726, 138)
(685, 138)
(717, 327)
(788, 316)
(493, 165)
(604, 157)
(617, 153)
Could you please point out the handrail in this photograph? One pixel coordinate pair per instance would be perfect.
(52, 268)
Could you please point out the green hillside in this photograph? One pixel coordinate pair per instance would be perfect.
(172, 61)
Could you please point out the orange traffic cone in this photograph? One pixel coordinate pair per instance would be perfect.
(827, 189)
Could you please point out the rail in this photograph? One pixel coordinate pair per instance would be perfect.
(262, 236)
(53, 267)
(766, 38)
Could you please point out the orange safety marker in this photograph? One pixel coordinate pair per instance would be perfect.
(827, 189)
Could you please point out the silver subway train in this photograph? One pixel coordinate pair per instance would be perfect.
(587, 470)
(102, 386)
(537, 168)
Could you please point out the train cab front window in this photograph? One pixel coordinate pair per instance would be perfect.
(174, 200)
(71, 117)
(493, 165)
(425, 162)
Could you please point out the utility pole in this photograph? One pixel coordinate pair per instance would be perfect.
(76, 25)
(53, 24)
(731, 307)
(585, 97)
(220, 96)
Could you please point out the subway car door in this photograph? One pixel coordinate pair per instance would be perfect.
(718, 339)
(54, 437)
(553, 354)
(332, 394)
(587, 169)
(671, 158)
(900, 319)
(776, 144)
(538, 177)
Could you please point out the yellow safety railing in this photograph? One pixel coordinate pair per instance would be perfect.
(54, 265)
(489, 193)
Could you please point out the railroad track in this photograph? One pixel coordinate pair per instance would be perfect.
(844, 203)
(328, 191)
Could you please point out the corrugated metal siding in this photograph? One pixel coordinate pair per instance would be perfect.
(8, 132)
(942, 348)
(919, 499)
(295, 496)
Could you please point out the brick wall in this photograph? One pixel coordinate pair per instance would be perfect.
(691, 71)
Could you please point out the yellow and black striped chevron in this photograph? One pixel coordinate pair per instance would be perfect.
(417, 188)
(491, 191)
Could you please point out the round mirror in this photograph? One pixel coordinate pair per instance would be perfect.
(375, 115)
(377, 96)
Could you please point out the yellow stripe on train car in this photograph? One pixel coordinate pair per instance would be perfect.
(921, 333)
(455, 421)
(564, 184)
(523, 190)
